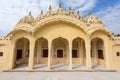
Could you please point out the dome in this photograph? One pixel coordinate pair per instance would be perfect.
(29, 19)
(26, 23)
(93, 19)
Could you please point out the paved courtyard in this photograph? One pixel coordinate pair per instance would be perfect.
(59, 72)
(60, 76)
(39, 67)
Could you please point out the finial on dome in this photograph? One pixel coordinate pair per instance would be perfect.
(41, 11)
(30, 13)
(78, 12)
(89, 13)
(70, 8)
(60, 5)
(50, 8)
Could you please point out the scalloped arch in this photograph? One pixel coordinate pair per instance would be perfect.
(67, 19)
(99, 29)
(26, 27)
(14, 31)
(66, 40)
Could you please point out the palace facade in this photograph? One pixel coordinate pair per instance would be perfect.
(60, 37)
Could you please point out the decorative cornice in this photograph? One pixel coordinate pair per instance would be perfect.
(91, 19)
(90, 22)
(29, 19)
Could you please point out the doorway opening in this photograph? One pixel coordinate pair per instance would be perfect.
(59, 53)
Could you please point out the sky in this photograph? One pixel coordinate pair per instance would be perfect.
(11, 11)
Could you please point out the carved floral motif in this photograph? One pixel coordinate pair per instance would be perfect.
(60, 11)
(27, 19)
(93, 19)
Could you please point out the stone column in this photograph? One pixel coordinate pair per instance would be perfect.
(31, 57)
(24, 51)
(88, 55)
(95, 51)
(38, 52)
(67, 53)
(52, 55)
(49, 55)
(106, 53)
(81, 51)
(11, 59)
(70, 55)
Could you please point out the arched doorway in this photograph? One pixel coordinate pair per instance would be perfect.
(59, 51)
(78, 51)
(97, 52)
(21, 52)
(41, 51)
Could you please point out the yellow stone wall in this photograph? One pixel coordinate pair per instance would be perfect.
(60, 24)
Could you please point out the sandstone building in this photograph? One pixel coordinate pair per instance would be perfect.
(58, 37)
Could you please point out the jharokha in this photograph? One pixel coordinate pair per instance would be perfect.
(60, 37)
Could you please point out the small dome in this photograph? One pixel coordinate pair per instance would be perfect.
(93, 19)
(27, 19)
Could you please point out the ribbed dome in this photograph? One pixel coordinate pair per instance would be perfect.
(93, 19)
(27, 19)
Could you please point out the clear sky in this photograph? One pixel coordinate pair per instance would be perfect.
(12, 10)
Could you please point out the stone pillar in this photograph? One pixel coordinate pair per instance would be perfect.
(95, 52)
(67, 53)
(107, 56)
(31, 56)
(11, 59)
(49, 55)
(88, 55)
(24, 51)
(38, 51)
(52, 55)
(81, 51)
(70, 55)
